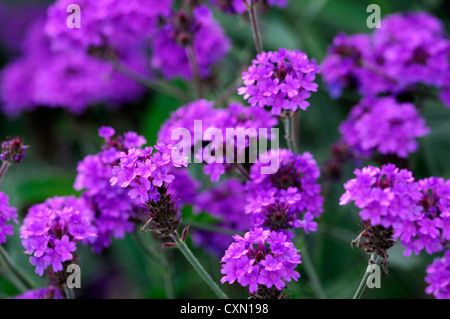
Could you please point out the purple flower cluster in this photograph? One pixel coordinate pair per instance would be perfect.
(145, 172)
(261, 257)
(289, 198)
(281, 81)
(226, 202)
(51, 230)
(13, 150)
(239, 6)
(383, 125)
(42, 293)
(236, 116)
(7, 214)
(431, 229)
(209, 42)
(115, 212)
(386, 196)
(438, 277)
(70, 79)
(410, 49)
(105, 22)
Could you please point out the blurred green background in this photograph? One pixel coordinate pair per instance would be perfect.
(59, 140)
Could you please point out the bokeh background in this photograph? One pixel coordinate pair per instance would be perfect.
(59, 139)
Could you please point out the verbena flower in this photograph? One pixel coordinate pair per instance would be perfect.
(226, 203)
(410, 49)
(438, 277)
(147, 176)
(8, 214)
(280, 81)
(105, 22)
(386, 197)
(51, 230)
(236, 116)
(13, 150)
(42, 293)
(288, 198)
(200, 30)
(116, 213)
(385, 126)
(261, 257)
(429, 231)
(71, 79)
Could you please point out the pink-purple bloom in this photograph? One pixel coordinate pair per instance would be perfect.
(438, 277)
(385, 126)
(281, 81)
(430, 230)
(289, 198)
(209, 42)
(386, 196)
(8, 214)
(261, 257)
(51, 230)
(116, 213)
(51, 292)
(410, 49)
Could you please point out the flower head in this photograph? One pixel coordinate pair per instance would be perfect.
(51, 230)
(281, 81)
(438, 277)
(7, 214)
(260, 258)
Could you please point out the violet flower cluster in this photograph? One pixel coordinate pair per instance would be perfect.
(261, 258)
(289, 198)
(148, 176)
(236, 116)
(410, 49)
(13, 150)
(71, 79)
(429, 231)
(386, 196)
(116, 214)
(42, 293)
(105, 22)
(51, 230)
(8, 214)
(438, 277)
(280, 80)
(207, 38)
(383, 125)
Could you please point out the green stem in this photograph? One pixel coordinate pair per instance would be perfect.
(198, 267)
(195, 70)
(149, 83)
(255, 26)
(288, 133)
(208, 227)
(312, 275)
(363, 283)
(161, 262)
(3, 170)
(19, 277)
(69, 293)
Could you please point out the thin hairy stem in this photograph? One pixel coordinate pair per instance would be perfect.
(149, 83)
(195, 69)
(21, 279)
(362, 285)
(255, 26)
(181, 245)
(3, 170)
